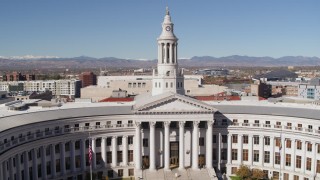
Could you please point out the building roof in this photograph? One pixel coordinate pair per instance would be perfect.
(116, 99)
(278, 74)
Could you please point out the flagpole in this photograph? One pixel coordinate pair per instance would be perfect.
(90, 141)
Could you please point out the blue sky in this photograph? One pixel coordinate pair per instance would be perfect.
(129, 28)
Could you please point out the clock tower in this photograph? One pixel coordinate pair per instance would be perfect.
(167, 78)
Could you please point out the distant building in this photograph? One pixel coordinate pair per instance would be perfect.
(310, 91)
(17, 76)
(59, 88)
(88, 79)
(261, 89)
(278, 75)
(212, 72)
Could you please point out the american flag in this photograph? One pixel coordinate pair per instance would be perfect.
(90, 152)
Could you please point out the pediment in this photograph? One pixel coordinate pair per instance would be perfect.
(172, 102)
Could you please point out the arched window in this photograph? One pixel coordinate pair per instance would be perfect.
(168, 73)
(171, 84)
(166, 84)
(155, 84)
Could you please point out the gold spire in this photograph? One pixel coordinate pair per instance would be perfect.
(167, 11)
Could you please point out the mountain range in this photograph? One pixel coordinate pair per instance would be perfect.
(45, 62)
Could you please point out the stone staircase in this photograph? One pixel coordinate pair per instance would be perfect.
(176, 174)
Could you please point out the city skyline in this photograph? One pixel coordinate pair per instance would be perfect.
(127, 29)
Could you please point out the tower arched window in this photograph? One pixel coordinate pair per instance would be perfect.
(166, 84)
(178, 84)
(173, 53)
(171, 85)
(168, 53)
(155, 84)
(168, 73)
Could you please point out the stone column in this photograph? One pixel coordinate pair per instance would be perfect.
(261, 150)
(181, 145)
(103, 151)
(83, 155)
(152, 166)
(34, 164)
(94, 157)
(62, 158)
(166, 145)
(250, 151)
(195, 145)
(137, 146)
(209, 145)
(282, 153)
(165, 53)
(11, 168)
(314, 160)
(170, 53)
(293, 156)
(2, 172)
(114, 151)
(72, 156)
(43, 162)
(18, 169)
(240, 149)
(219, 150)
(303, 157)
(272, 151)
(125, 150)
(229, 150)
(26, 165)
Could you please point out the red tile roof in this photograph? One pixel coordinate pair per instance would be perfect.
(113, 99)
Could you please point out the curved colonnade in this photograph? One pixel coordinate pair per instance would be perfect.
(56, 147)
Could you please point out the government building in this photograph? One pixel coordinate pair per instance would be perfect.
(161, 134)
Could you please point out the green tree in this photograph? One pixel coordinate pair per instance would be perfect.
(244, 172)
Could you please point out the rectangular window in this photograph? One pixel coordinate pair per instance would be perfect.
(130, 155)
(288, 159)
(245, 154)
(308, 164)
(77, 145)
(120, 172)
(234, 154)
(145, 142)
(298, 161)
(295, 177)
(57, 148)
(235, 138)
(318, 166)
(299, 145)
(214, 154)
(285, 176)
(119, 140)
(309, 147)
(119, 156)
(255, 139)
(288, 143)
(224, 154)
(267, 141)
(277, 158)
(214, 139)
(201, 141)
(224, 139)
(109, 157)
(109, 141)
(267, 157)
(245, 139)
(130, 140)
(278, 142)
(131, 172)
(98, 158)
(256, 156)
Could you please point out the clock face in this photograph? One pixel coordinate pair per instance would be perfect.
(168, 28)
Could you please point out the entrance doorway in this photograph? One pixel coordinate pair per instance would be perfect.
(174, 154)
(145, 162)
(202, 160)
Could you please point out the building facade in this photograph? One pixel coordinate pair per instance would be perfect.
(162, 131)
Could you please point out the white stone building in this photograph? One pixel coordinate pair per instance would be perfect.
(159, 134)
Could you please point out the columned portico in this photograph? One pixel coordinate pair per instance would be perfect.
(209, 145)
(166, 145)
(195, 145)
(181, 145)
(152, 166)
